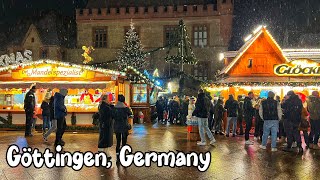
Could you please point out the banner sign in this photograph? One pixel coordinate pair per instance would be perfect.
(301, 67)
(53, 72)
(15, 58)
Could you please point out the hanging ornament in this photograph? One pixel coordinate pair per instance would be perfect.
(86, 53)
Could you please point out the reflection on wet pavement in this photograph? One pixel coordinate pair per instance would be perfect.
(231, 159)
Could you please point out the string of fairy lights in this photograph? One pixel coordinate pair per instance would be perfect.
(185, 54)
(265, 84)
(141, 76)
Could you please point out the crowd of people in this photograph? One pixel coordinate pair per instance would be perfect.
(112, 119)
(282, 121)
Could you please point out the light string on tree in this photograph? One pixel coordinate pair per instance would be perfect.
(185, 53)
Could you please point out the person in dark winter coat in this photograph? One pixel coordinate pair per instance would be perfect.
(121, 125)
(292, 109)
(60, 113)
(105, 125)
(240, 114)
(218, 116)
(248, 112)
(258, 127)
(184, 110)
(160, 108)
(174, 109)
(45, 114)
(201, 112)
(52, 118)
(29, 108)
(232, 107)
(211, 112)
(313, 106)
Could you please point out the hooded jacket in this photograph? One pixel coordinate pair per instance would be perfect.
(202, 106)
(29, 102)
(232, 107)
(313, 106)
(60, 110)
(105, 125)
(292, 108)
(121, 114)
(248, 109)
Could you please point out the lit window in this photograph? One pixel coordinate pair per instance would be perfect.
(200, 36)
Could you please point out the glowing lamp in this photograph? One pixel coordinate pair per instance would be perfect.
(221, 56)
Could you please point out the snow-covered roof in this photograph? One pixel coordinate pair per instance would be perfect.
(290, 54)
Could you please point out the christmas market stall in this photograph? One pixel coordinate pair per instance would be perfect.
(260, 65)
(144, 93)
(85, 85)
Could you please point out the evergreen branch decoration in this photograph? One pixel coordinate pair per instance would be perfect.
(185, 53)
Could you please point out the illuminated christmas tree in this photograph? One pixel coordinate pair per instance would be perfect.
(131, 53)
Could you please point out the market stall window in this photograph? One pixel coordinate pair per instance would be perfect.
(139, 93)
(153, 95)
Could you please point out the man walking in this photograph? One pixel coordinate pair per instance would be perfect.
(29, 108)
(248, 111)
(201, 112)
(232, 107)
(292, 108)
(60, 113)
(313, 105)
(270, 112)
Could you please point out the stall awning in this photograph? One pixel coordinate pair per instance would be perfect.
(58, 85)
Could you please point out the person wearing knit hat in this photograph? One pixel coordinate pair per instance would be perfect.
(60, 113)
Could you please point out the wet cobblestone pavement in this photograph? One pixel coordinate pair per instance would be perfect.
(231, 158)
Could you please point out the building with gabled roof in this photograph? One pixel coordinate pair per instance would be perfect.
(260, 65)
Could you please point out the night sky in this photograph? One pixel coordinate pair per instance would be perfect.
(291, 18)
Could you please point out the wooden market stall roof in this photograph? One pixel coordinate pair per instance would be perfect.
(254, 62)
(261, 44)
(50, 74)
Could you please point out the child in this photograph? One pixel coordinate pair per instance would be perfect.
(45, 114)
(165, 116)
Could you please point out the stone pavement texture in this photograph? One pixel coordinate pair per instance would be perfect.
(231, 159)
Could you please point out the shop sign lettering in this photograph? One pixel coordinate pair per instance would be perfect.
(52, 72)
(298, 68)
(15, 58)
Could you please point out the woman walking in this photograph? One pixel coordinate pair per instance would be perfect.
(121, 125)
(46, 113)
(105, 126)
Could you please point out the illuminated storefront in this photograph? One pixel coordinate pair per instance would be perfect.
(260, 65)
(85, 86)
